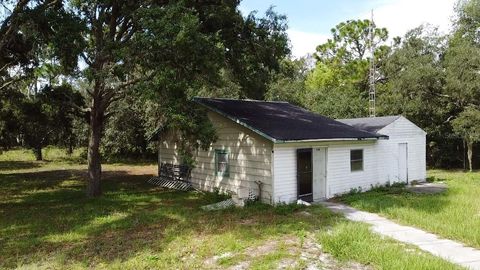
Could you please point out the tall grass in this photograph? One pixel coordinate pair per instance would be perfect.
(454, 214)
(352, 241)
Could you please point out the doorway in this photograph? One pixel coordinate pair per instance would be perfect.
(304, 175)
(403, 162)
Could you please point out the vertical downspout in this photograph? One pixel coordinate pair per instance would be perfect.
(272, 173)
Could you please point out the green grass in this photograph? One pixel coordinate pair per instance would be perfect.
(352, 241)
(47, 222)
(454, 214)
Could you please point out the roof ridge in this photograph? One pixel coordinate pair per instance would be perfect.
(249, 100)
(367, 117)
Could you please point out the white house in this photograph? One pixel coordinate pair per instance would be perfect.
(289, 153)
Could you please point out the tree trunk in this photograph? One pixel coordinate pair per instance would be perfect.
(470, 154)
(70, 149)
(94, 160)
(70, 145)
(37, 151)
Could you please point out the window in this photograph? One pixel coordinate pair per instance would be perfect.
(221, 163)
(356, 160)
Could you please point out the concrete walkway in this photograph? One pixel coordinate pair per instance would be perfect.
(449, 250)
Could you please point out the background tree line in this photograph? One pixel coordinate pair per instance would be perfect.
(432, 79)
(106, 75)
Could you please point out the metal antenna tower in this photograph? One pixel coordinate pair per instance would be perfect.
(371, 75)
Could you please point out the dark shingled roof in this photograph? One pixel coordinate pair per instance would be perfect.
(282, 121)
(370, 124)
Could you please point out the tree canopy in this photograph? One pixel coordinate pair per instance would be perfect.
(467, 125)
(340, 77)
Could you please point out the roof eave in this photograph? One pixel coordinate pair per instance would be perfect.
(334, 139)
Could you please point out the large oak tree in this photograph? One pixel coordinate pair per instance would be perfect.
(168, 49)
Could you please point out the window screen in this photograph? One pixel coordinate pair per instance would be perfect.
(356, 160)
(221, 163)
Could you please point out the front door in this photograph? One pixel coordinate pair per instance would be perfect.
(403, 162)
(304, 174)
(319, 159)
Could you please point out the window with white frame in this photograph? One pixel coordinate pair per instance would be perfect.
(356, 160)
(221, 163)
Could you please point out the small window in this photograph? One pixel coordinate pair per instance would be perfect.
(356, 160)
(221, 163)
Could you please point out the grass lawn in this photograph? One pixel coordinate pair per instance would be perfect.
(47, 222)
(454, 214)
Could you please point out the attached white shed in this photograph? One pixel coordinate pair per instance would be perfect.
(404, 153)
(296, 154)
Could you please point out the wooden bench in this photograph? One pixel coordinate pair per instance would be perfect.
(173, 177)
(175, 172)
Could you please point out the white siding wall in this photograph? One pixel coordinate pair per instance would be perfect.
(380, 162)
(339, 177)
(402, 131)
(249, 156)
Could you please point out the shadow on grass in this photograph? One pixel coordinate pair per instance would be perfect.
(31, 182)
(46, 214)
(17, 165)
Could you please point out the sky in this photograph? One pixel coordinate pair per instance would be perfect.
(310, 21)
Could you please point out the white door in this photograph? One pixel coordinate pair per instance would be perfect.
(319, 159)
(403, 162)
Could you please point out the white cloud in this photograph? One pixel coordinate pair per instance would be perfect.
(304, 43)
(399, 16)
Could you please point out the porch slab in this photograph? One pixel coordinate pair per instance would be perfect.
(428, 188)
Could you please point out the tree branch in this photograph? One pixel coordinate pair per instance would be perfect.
(85, 58)
(9, 82)
(124, 26)
(129, 35)
(113, 21)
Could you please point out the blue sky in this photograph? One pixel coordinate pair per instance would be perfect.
(310, 21)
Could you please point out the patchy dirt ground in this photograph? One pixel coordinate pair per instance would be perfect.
(303, 253)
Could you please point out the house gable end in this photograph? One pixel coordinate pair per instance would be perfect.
(401, 122)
